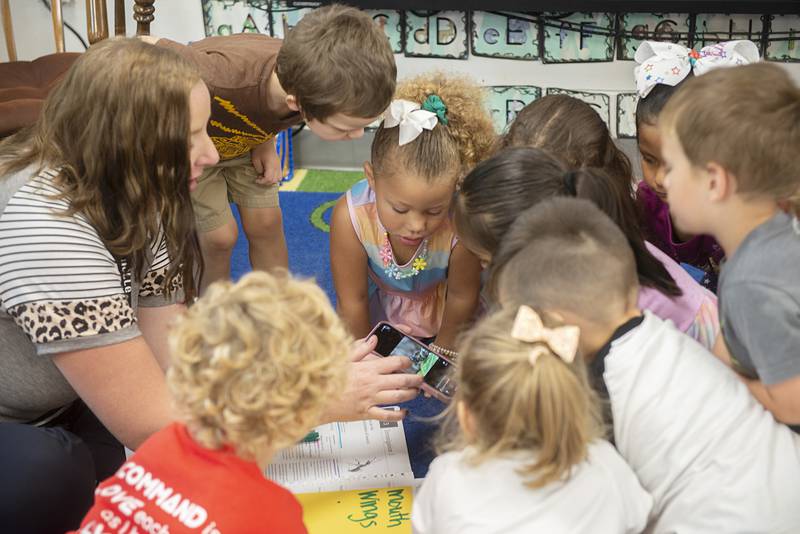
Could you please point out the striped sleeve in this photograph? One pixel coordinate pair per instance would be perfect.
(58, 281)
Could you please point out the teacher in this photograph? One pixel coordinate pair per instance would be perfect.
(97, 254)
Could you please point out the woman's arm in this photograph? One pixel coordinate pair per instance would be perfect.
(463, 292)
(123, 385)
(155, 324)
(349, 268)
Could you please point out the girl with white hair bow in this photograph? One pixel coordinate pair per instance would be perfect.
(394, 252)
(661, 68)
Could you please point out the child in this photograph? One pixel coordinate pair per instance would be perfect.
(335, 70)
(501, 188)
(731, 141)
(394, 253)
(528, 456)
(712, 458)
(254, 363)
(662, 68)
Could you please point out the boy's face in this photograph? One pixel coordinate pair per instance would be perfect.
(340, 127)
(652, 162)
(687, 187)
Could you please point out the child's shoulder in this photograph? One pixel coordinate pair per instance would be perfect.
(770, 253)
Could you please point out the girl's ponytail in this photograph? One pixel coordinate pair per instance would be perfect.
(526, 390)
(616, 201)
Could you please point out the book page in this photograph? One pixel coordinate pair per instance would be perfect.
(347, 456)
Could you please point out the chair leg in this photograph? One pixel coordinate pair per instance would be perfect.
(58, 25)
(96, 20)
(143, 15)
(119, 17)
(8, 30)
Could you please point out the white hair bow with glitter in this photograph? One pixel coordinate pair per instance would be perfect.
(562, 341)
(671, 63)
(411, 119)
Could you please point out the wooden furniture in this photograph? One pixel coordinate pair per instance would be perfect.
(96, 21)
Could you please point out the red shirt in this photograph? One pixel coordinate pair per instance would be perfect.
(174, 485)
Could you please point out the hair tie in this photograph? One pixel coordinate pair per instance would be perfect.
(570, 179)
(562, 341)
(434, 104)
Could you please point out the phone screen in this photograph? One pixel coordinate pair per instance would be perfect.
(433, 369)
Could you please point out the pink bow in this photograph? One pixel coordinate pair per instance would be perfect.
(528, 327)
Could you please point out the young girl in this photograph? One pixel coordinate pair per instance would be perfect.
(254, 363)
(662, 68)
(498, 190)
(394, 254)
(527, 455)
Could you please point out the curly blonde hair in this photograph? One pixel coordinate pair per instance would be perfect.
(447, 149)
(255, 362)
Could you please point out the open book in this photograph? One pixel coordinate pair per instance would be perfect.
(348, 456)
(356, 476)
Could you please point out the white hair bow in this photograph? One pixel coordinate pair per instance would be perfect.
(670, 63)
(411, 119)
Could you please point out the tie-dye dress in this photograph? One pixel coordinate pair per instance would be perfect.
(412, 302)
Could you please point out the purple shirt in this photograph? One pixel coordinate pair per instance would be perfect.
(701, 251)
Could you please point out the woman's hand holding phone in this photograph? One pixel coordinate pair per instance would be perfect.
(372, 382)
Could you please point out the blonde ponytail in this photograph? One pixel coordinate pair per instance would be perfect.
(522, 396)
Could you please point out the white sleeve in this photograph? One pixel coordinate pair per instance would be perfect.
(423, 510)
(636, 502)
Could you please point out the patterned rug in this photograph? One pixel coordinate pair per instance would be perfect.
(306, 201)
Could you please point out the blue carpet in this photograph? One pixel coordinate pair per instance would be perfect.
(305, 217)
(309, 248)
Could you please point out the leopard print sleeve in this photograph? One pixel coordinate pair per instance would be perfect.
(58, 282)
(152, 290)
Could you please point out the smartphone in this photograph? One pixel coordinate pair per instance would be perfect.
(434, 368)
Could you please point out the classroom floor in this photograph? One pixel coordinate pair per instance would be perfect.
(306, 202)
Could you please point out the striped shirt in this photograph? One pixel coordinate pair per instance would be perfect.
(61, 290)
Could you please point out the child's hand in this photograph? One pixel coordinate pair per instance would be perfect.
(373, 382)
(267, 163)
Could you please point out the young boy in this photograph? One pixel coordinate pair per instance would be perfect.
(711, 456)
(732, 151)
(254, 363)
(335, 70)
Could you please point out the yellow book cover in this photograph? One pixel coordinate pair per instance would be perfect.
(344, 512)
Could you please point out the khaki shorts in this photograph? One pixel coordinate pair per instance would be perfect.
(229, 181)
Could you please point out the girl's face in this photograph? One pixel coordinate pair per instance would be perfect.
(652, 161)
(410, 207)
(202, 152)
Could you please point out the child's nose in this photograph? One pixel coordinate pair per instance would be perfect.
(356, 134)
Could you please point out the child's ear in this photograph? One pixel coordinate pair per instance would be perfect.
(721, 183)
(465, 420)
(291, 101)
(368, 172)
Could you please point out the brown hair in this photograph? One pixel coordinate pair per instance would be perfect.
(255, 363)
(564, 254)
(456, 146)
(337, 60)
(546, 408)
(574, 132)
(746, 119)
(500, 188)
(116, 129)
